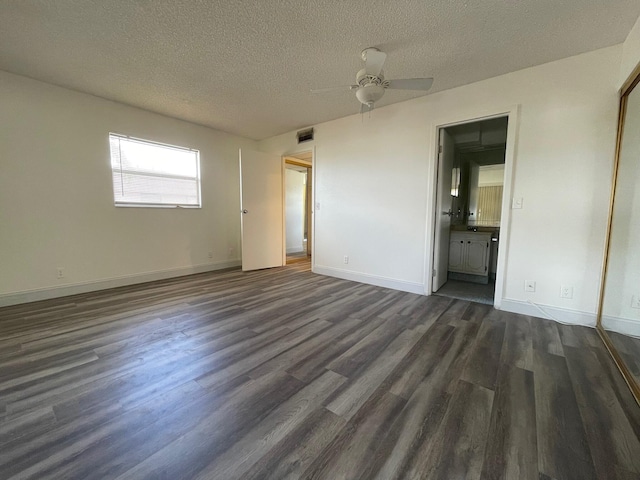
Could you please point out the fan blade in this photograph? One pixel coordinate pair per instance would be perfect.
(373, 60)
(411, 84)
(334, 89)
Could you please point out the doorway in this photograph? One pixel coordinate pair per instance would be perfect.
(298, 171)
(470, 202)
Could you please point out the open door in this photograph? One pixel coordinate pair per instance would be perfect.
(443, 210)
(261, 207)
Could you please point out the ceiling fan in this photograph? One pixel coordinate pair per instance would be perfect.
(371, 84)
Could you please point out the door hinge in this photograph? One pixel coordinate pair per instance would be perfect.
(433, 272)
(487, 244)
(485, 269)
(439, 148)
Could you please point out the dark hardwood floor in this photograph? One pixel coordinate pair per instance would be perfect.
(628, 348)
(285, 374)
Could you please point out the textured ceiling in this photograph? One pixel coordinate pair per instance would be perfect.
(247, 67)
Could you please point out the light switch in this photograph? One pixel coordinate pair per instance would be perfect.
(517, 202)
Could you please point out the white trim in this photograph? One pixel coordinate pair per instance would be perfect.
(283, 193)
(623, 326)
(560, 315)
(47, 293)
(314, 175)
(513, 128)
(298, 249)
(512, 112)
(404, 286)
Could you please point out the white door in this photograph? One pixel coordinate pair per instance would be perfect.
(443, 210)
(261, 210)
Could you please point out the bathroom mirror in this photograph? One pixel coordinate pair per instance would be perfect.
(477, 177)
(619, 312)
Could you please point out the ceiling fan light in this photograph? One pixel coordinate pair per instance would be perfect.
(369, 94)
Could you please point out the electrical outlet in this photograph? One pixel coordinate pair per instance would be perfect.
(210, 255)
(346, 259)
(566, 291)
(529, 285)
(635, 301)
(60, 272)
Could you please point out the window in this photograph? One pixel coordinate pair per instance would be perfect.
(148, 174)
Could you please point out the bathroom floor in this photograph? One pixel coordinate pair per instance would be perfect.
(297, 257)
(473, 292)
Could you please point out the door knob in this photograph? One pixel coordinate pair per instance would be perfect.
(245, 211)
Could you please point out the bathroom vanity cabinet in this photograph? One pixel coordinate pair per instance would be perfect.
(469, 252)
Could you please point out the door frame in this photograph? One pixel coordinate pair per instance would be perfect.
(289, 154)
(512, 112)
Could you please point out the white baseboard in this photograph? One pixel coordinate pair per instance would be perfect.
(625, 326)
(46, 293)
(299, 249)
(376, 280)
(562, 315)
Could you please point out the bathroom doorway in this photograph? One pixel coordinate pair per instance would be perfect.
(470, 199)
(298, 173)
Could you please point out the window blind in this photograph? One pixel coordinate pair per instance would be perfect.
(489, 206)
(149, 174)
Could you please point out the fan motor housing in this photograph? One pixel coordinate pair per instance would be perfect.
(363, 78)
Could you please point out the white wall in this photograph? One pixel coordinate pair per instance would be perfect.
(295, 189)
(375, 177)
(56, 197)
(630, 53)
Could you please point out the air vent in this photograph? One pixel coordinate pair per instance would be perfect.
(305, 135)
